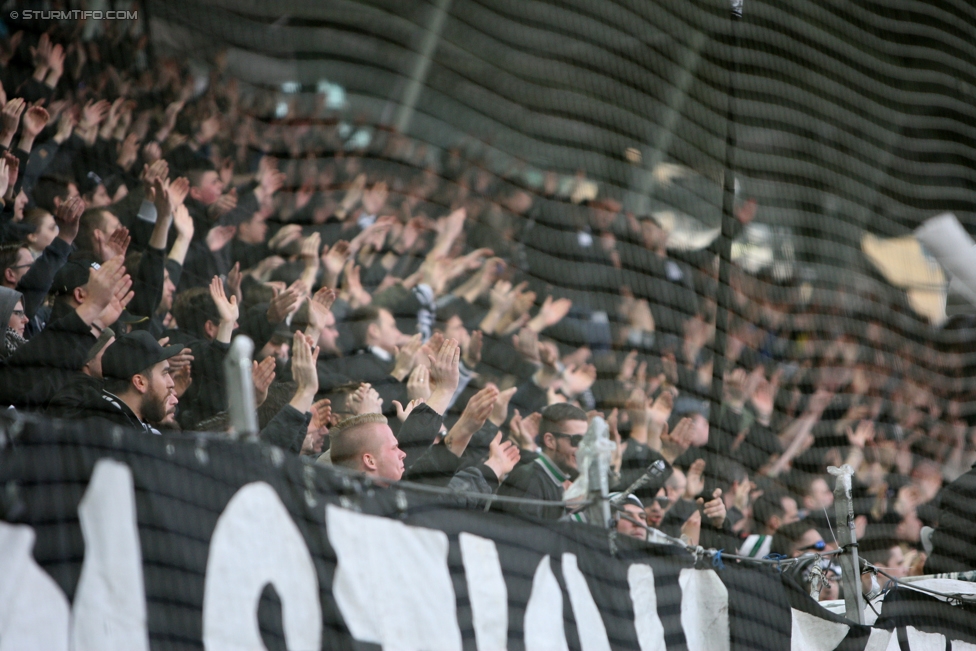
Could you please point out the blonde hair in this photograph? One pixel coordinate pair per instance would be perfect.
(346, 445)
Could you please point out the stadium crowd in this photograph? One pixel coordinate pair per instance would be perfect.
(422, 315)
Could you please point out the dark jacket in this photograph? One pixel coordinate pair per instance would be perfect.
(539, 480)
(39, 369)
(954, 540)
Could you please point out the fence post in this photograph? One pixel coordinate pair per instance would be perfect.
(598, 512)
(240, 389)
(850, 564)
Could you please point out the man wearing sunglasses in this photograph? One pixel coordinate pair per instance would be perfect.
(561, 431)
(796, 539)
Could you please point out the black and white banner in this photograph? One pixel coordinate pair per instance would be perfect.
(113, 541)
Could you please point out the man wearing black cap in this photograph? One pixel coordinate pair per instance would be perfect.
(138, 390)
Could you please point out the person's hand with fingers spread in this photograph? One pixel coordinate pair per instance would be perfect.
(403, 412)
(695, 479)
(11, 119)
(418, 384)
(333, 261)
(406, 358)
(318, 429)
(472, 419)
(499, 412)
(310, 256)
(284, 303)
(576, 380)
(526, 342)
(502, 457)
(551, 313)
(304, 358)
(227, 309)
(68, 218)
(365, 400)
(262, 375)
(714, 509)
(101, 287)
(444, 375)
(234, 278)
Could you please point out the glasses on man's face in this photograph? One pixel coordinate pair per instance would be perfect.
(818, 546)
(574, 439)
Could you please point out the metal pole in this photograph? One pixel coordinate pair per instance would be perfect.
(240, 388)
(850, 564)
(598, 512)
(421, 66)
(724, 298)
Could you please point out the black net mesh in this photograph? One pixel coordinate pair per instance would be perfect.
(739, 233)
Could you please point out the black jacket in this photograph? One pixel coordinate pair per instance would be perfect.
(534, 481)
(954, 540)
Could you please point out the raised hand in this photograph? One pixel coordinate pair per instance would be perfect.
(418, 384)
(68, 217)
(365, 400)
(862, 435)
(262, 375)
(11, 117)
(183, 222)
(151, 152)
(627, 367)
(473, 418)
(502, 457)
(178, 189)
(695, 479)
(527, 343)
(226, 308)
(333, 260)
(714, 509)
(444, 367)
(500, 411)
(115, 245)
(304, 368)
(284, 303)
(576, 380)
(406, 357)
(551, 313)
(128, 148)
(403, 412)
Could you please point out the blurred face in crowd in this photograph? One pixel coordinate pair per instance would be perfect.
(384, 458)
(454, 329)
(560, 445)
(699, 431)
(110, 223)
(158, 391)
(329, 336)
(254, 230)
(676, 484)
(656, 509)
(13, 274)
(46, 231)
(385, 334)
(628, 528)
(166, 302)
(819, 496)
(209, 188)
(18, 320)
(98, 198)
(807, 542)
(790, 511)
(20, 202)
